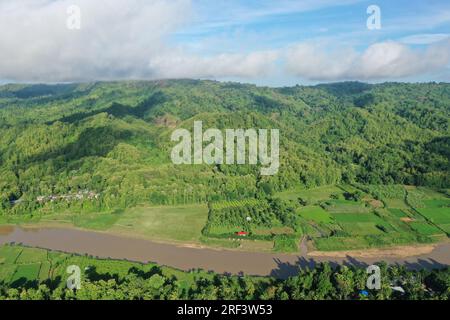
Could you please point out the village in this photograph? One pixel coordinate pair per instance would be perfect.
(80, 195)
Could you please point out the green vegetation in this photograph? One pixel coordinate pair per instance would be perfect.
(425, 228)
(113, 140)
(170, 223)
(97, 156)
(316, 214)
(344, 221)
(286, 243)
(44, 278)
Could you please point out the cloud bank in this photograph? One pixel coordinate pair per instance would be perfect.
(116, 38)
(384, 60)
(130, 40)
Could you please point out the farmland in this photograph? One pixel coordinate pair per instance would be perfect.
(340, 217)
(360, 166)
(378, 216)
(25, 267)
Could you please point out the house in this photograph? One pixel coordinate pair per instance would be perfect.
(242, 233)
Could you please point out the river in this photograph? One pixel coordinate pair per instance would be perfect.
(105, 245)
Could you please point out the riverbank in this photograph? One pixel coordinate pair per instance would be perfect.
(104, 245)
(306, 248)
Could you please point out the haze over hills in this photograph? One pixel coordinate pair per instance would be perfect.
(113, 139)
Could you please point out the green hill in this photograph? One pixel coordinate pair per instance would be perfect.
(108, 144)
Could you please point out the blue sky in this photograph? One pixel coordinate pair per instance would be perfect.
(269, 42)
(278, 23)
(245, 26)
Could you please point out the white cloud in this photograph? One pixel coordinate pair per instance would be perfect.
(385, 60)
(128, 39)
(116, 39)
(181, 65)
(425, 38)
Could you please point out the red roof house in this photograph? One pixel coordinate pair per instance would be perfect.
(242, 233)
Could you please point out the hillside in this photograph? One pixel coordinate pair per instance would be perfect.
(113, 139)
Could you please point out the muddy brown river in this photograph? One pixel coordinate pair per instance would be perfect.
(104, 245)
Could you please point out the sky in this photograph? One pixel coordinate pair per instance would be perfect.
(266, 42)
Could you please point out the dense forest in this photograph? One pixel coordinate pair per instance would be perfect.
(104, 146)
(320, 283)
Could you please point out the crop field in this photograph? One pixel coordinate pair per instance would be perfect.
(362, 223)
(385, 192)
(344, 206)
(335, 223)
(233, 204)
(436, 215)
(432, 206)
(396, 203)
(425, 228)
(445, 227)
(29, 256)
(25, 273)
(315, 213)
(398, 213)
(286, 243)
(311, 195)
(19, 265)
(9, 255)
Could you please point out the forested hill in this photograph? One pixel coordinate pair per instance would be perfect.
(110, 142)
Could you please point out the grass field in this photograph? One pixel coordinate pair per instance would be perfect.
(398, 213)
(93, 221)
(96, 221)
(436, 215)
(433, 206)
(344, 206)
(315, 213)
(425, 228)
(25, 273)
(174, 223)
(396, 203)
(286, 243)
(311, 195)
(168, 223)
